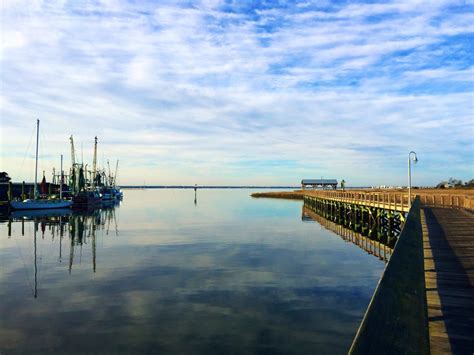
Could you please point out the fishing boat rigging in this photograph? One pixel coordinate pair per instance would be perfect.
(36, 202)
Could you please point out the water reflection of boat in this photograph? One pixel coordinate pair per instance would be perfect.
(110, 203)
(83, 227)
(37, 214)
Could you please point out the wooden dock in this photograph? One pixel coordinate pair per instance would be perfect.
(448, 238)
(447, 233)
(397, 200)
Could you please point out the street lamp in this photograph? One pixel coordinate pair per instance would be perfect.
(411, 156)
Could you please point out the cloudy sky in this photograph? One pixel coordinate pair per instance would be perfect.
(241, 92)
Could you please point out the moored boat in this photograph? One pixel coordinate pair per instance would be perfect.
(33, 204)
(86, 198)
(37, 213)
(111, 193)
(39, 204)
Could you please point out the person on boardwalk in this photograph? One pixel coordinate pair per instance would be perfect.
(343, 185)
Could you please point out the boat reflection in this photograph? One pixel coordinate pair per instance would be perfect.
(81, 227)
(371, 246)
(40, 214)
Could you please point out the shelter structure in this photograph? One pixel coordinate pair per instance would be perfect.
(318, 183)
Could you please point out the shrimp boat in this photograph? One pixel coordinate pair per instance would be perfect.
(36, 204)
(110, 191)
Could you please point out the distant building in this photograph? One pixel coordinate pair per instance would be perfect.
(318, 183)
(445, 185)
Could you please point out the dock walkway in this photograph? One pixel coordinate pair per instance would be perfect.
(448, 240)
(445, 270)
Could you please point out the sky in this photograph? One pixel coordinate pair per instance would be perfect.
(240, 92)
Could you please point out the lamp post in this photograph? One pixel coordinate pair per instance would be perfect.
(411, 156)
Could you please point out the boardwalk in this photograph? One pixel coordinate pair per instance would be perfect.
(446, 262)
(448, 238)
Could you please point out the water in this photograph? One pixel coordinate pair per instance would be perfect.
(164, 273)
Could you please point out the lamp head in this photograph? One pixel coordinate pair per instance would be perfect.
(413, 156)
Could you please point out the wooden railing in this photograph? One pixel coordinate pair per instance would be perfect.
(391, 201)
(395, 200)
(447, 200)
(395, 321)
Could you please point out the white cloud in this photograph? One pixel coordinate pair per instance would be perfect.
(177, 89)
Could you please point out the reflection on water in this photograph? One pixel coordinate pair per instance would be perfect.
(162, 273)
(374, 247)
(79, 227)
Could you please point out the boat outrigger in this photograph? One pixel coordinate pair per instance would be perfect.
(36, 203)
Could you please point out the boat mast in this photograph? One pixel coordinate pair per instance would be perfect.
(110, 177)
(36, 159)
(73, 153)
(94, 163)
(73, 166)
(115, 177)
(61, 179)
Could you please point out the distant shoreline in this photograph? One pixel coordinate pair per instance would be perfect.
(207, 187)
(218, 187)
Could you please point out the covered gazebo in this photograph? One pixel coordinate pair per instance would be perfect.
(318, 183)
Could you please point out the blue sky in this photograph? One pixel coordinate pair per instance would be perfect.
(241, 92)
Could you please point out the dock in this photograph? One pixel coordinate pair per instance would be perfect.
(424, 302)
(448, 244)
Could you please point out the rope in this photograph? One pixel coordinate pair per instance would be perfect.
(27, 149)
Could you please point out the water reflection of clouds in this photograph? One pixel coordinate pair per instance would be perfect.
(232, 283)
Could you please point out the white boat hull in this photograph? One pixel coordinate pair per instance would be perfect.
(40, 204)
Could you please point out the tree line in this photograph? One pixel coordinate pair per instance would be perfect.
(452, 182)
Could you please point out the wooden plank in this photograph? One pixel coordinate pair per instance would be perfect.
(448, 236)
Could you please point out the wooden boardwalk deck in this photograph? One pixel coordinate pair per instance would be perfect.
(448, 238)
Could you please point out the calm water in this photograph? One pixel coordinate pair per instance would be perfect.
(221, 275)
